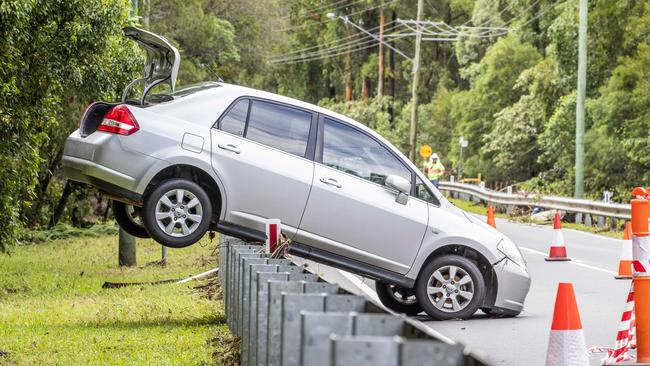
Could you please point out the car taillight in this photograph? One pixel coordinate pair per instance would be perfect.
(119, 120)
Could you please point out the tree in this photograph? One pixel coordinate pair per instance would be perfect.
(55, 57)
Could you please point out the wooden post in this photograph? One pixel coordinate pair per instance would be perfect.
(126, 249)
(414, 86)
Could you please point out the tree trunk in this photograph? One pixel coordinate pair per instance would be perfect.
(67, 191)
(380, 70)
(349, 86)
(365, 89)
(391, 66)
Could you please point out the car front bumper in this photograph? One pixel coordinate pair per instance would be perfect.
(513, 283)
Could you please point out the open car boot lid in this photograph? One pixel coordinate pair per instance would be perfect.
(161, 65)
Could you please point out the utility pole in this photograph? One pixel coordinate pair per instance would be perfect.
(380, 71)
(416, 79)
(580, 104)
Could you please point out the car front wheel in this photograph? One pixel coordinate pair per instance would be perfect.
(450, 287)
(177, 213)
(398, 299)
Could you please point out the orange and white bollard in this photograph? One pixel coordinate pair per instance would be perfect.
(641, 271)
(272, 235)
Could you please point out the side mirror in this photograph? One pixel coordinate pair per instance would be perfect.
(402, 186)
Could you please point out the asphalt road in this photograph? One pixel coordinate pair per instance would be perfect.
(523, 340)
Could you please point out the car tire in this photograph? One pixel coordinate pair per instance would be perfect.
(393, 298)
(130, 219)
(455, 279)
(177, 213)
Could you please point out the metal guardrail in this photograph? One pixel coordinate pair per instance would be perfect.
(588, 207)
(287, 316)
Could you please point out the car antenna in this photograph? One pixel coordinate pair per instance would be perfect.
(211, 71)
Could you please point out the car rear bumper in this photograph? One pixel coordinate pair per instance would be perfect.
(513, 285)
(100, 160)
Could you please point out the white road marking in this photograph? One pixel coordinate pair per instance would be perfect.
(577, 262)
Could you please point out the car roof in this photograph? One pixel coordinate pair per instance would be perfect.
(245, 91)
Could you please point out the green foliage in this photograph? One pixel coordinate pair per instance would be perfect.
(205, 41)
(55, 57)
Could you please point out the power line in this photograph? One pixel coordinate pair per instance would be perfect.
(328, 56)
(331, 20)
(330, 43)
(363, 40)
(319, 9)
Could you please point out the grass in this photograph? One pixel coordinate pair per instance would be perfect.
(53, 310)
(481, 209)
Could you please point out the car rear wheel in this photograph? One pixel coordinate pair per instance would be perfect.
(177, 213)
(398, 299)
(130, 219)
(450, 287)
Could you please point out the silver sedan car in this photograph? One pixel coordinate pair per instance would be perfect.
(216, 156)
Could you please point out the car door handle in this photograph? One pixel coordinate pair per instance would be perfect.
(331, 182)
(229, 147)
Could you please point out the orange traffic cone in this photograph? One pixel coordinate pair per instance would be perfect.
(566, 344)
(625, 263)
(558, 250)
(490, 217)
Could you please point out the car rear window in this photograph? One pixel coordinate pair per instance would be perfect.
(235, 120)
(280, 127)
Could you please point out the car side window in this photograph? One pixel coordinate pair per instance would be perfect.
(235, 120)
(424, 194)
(352, 151)
(280, 127)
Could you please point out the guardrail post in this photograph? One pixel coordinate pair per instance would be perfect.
(253, 308)
(292, 305)
(232, 281)
(421, 352)
(315, 331)
(378, 325)
(578, 219)
(259, 357)
(588, 221)
(376, 351)
(242, 289)
(246, 302)
(339, 303)
(613, 224)
(237, 288)
(276, 289)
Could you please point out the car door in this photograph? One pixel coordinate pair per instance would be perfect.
(261, 151)
(351, 212)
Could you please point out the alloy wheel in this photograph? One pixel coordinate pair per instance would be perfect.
(450, 288)
(179, 212)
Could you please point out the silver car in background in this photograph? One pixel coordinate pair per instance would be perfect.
(216, 156)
